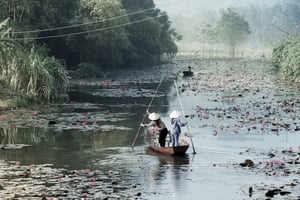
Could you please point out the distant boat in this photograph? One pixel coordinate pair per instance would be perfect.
(188, 73)
(152, 141)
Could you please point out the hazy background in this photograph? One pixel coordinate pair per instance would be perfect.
(191, 6)
(270, 21)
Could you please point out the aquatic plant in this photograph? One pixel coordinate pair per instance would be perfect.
(30, 72)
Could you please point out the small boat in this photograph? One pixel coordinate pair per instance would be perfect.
(152, 140)
(170, 160)
(188, 73)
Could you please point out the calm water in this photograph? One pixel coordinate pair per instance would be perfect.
(101, 120)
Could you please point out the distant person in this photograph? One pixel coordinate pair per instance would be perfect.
(188, 72)
(158, 126)
(176, 127)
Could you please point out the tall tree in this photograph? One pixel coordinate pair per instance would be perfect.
(151, 35)
(4, 48)
(232, 29)
(51, 15)
(106, 36)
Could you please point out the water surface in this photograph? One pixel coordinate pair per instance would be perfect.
(232, 111)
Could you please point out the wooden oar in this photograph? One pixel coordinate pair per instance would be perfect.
(146, 114)
(187, 126)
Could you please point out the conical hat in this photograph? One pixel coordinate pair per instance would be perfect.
(175, 114)
(154, 116)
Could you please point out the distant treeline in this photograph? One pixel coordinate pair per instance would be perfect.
(268, 24)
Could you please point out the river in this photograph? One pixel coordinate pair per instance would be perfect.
(235, 109)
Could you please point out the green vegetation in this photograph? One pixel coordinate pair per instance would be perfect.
(87, 70)
(232, 29)
(102, 48)
(108, 34)
(30, 74)
(41, 40)
(286, 56)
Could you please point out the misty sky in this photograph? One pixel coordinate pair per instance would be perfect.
(191, 6)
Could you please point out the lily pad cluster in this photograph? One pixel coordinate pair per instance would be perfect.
(283, 165)
(19, 181)
(233, 99)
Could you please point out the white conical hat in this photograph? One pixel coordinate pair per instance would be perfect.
(175, 114)
(154, 116)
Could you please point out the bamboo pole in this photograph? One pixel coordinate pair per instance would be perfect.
(139, 129)
(187, 126)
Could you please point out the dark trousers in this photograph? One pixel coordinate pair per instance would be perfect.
(162, 137)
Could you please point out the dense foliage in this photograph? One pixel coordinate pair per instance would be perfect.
(286, 56)
(150, 40)
(30, 71)
(40, 38)
(107, 34)
(102, 45)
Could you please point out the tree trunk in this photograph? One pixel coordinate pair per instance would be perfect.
(11, 9)
(232, 51)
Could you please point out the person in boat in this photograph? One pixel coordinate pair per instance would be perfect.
(176, 127)
(188, 72)
(158, 126)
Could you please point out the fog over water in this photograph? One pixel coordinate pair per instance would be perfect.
(269, 22)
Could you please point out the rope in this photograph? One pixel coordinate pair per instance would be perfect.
(187, 126)
(82, 24)
(138, 131)
(84, 32)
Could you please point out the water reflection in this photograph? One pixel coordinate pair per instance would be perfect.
(112, 109)
(65, 148)
(13, 135)
(108, 146)
(169, 175)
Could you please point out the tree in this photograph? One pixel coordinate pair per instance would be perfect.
(232, 29)
(152, 38)
(107, 39)
(207, 35)
(5, 46)
(102, 33)
(53, 14)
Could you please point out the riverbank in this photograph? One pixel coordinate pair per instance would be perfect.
(9, 115)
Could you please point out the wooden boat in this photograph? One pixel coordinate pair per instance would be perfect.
(152, 140)
(169, 160)
(188, 73)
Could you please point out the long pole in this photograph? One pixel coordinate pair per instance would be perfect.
(139, 129)
(187, 126)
